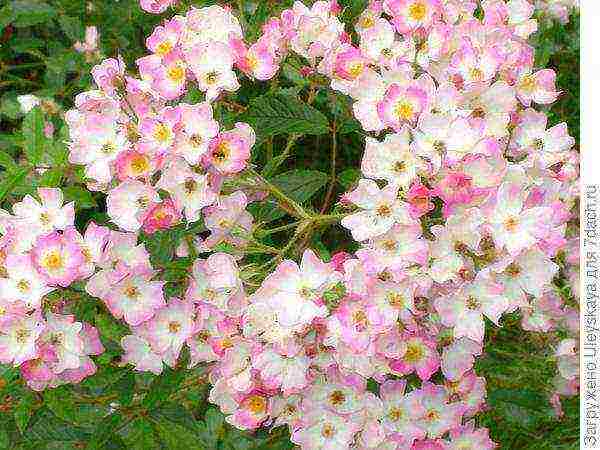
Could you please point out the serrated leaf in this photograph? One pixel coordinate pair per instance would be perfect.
(33, 133)
(26, 13)
(46, 427)
(7, 161)
(60, 402)
(175, 436)
(162, 246)
(24, 410)
(348, 177)
(25, 45)
(300, 185)
(173, 412)
(104, 432)
(125, 387)
(82, 197)
(12, 179)
(163, 386)
(72, 27)
(139, 435)
(51, 178)
(109, 328)
(4, 439)
(274, 114)
(214, 421)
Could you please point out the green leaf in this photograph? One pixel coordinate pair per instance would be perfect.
(51, 178)
(46, 427)
(139, 435)
(12, 179)
(110, 328)
(24, 410)
(33, 132)
(82, 197)
(348, 177)
(162, 246)
(60, 402)
(10, 107)
(7, 161)
(300, 185)
(72, 27)
(163, 386)
(276, 114)
(4, 439)
(26, 13)
(175, 436)
(125, 388)
(105, 432)
(214, 421)
(173, 412)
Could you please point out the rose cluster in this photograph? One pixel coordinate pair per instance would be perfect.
(464, 211)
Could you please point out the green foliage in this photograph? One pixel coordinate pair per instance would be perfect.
(271, 115)
(118, 408)
(299, 185)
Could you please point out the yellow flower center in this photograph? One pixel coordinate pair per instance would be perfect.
(511, 224)
(140, 164)
(163, 48)
(337, 397)
(360, 319)
(143, 202)
(404, 110)
(356, 69)
(190, 186)
(400, 167)
(476, 74)
(196, 140)
(56, 339)
(528, 83)
(389, 245)
(384, 210)
(396, 300)
(417, 11)
(131, 292)
(395, 414)
(108, 148)
(513, 269)
(367, 21)
(23, 286)
(222, 151)
(252, 61)
(53, 260)
(432, 415)
(174, 327)
(256, 404)
(87, 254)
(414, 352)
(22, 335)
(328, 431)
(211, 78)
(44, 218)
(472, 303)
(162, 133)
(176, 73)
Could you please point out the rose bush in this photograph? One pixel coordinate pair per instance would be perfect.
(208, 272)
